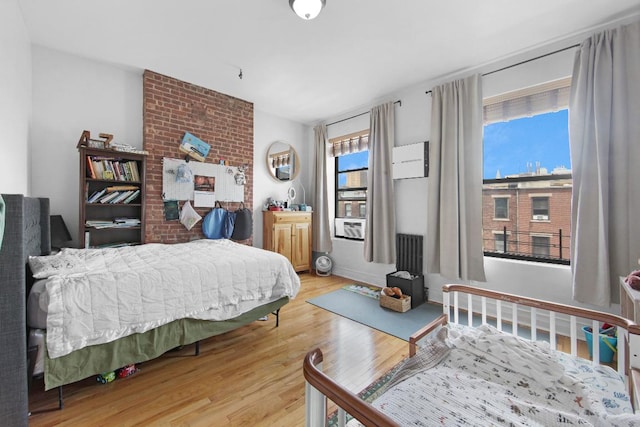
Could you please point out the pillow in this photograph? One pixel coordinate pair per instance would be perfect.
(188, 216)
(63, 263)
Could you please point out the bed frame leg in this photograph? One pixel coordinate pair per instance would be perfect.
(277, 314)
(60, 400)
(197, 348)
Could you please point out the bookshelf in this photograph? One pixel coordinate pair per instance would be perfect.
(111, 196)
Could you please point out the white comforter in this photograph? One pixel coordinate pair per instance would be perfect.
(484, 377)
(100, 295)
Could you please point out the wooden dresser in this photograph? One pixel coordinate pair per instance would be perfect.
(289, 233)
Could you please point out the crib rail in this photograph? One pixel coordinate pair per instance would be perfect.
(484, 306)
(320, 387)
(542, 316)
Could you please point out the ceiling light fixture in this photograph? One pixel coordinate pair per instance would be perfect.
(307, 9)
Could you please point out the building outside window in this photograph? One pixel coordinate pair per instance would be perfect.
(347, 209)
(351, 167)
(540, 208)
(540, 245)
(526, 169)
(500, 243)
(501, 208)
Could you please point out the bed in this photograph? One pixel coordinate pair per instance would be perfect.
(108, 308)
(473, 366)
(26, 232)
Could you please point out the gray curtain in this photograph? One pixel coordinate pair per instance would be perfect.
(604, 129)
(379, 239)
(321, 230)
(454, 212)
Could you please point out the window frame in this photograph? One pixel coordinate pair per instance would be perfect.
(359, 201)
(547, 245)
(545, 216)
(555, 95)
(495, 208)
(352, 199)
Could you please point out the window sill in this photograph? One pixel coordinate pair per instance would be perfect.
(349, 239)
(534, 259)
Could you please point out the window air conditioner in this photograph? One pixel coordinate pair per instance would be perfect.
(540, 217)
(351, 228)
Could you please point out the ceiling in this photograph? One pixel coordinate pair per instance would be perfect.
(355, 52)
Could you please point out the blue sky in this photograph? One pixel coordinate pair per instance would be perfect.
(509, 146)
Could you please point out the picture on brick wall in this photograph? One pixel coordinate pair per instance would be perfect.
(204, 183)
(171, 212)
(194, 147)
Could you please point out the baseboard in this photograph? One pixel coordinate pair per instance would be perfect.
(359, 276)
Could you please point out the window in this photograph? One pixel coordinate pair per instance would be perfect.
(500, 243)
(351, 168)
(351, 185)
(501, 208)
(347, 209)
(540, 208)
(540, 245)
(527, 166)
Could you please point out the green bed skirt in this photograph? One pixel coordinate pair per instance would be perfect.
(136, 348)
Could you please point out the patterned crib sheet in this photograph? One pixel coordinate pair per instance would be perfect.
(481, 376)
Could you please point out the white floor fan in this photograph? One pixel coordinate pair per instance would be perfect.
(323, 265)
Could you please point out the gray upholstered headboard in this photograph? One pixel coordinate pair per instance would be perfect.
(26, 233)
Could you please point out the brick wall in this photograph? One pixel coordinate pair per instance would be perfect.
(173, 107)
(520, 223)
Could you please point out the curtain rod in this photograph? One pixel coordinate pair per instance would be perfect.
(525, 61)
(399, 101)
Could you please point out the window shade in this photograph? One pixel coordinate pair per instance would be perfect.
(349, 144)
(545, 98)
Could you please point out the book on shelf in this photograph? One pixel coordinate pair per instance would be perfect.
(121, 188)
(96, 195)
(127, 171)
(107, 170)
(91, 173)
(132, 197)
(109, 196)
(117, 169)
(99, 168)
(99, 223)
(127, 221)
(133, 165)
(123, 195)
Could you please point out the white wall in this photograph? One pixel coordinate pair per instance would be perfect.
(268, 129)
(71, 94)
(15, 100)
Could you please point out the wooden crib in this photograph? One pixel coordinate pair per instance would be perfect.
(558, 324)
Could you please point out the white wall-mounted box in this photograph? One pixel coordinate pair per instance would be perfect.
(411, 161)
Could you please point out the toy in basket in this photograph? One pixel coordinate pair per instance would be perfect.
(392, 298)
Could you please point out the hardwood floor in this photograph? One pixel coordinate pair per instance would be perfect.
(248, 377)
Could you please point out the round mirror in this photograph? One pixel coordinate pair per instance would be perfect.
(283, 161)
